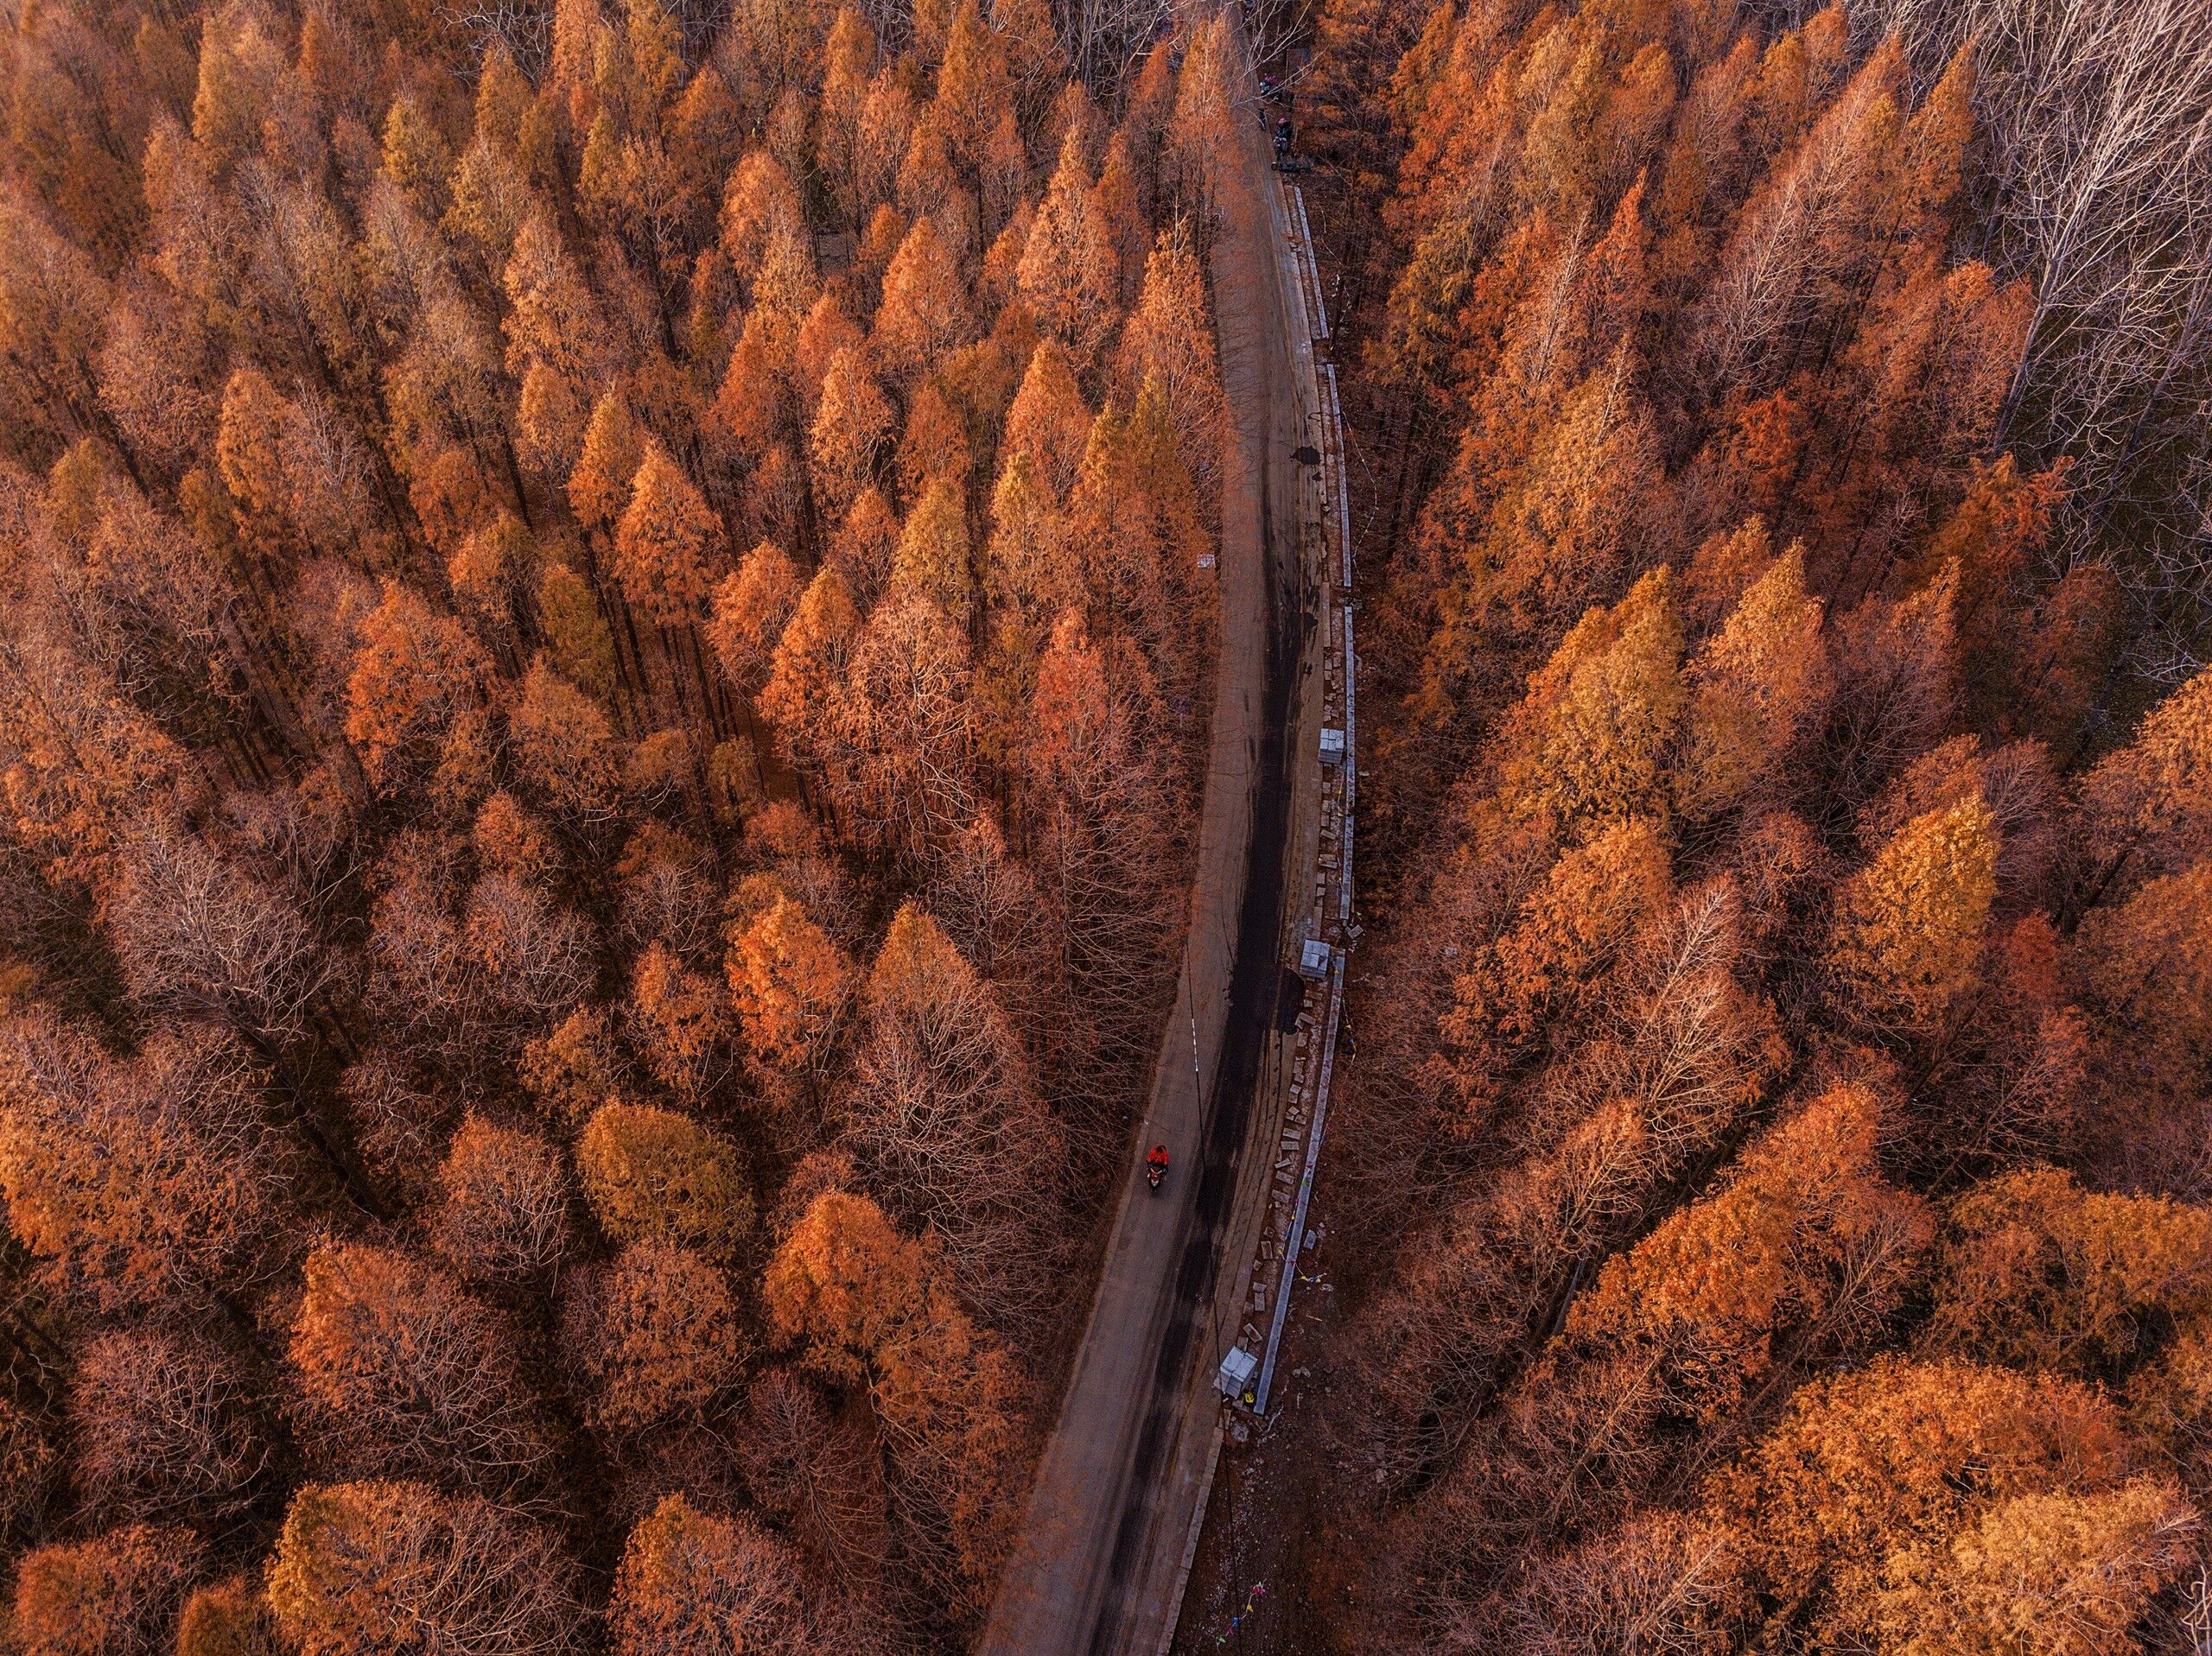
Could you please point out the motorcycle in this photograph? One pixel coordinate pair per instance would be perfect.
(1155, 1166)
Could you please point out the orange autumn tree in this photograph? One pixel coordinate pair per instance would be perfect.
(114, 1592)
(403, 1370)
(751, 609)
(689, 1581)
(652, 1338)
(416, 674)
(504, 1214)
(924, 311)
(1910, 935)
(666, 541)
(652, 1175)
(361, 1567)
(873, 1307)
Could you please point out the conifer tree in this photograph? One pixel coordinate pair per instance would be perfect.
(1819, 1251)
(677, 1023)
(751, 609)
(2040, 1274)
(1555, 541)
(1546, 970)
(1169, 341)
(2087, 1568)
(1601, 715)
(932, 561)
(580, 646)
(1909, 935)
(852, 423)
(249, 443)
(1026, 571)
(1756, 687)
(416, 157)
(1903, 1449)
(598, 487)
(1204, 125)
(862, 550)
(1097, 803)
(924, 313)
(415, 675)
(666, 542)
(2149, 805)
(564, 747)
(791, 985)
(808, 666)
(753, 411)
(1070, 275)
(974, 84)
(1049, 425)
(934, 444)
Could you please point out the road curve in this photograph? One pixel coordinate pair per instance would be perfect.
(1113, 1491)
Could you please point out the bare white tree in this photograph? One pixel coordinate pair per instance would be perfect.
(199, 938)
(1106, 40)
(2097, 117)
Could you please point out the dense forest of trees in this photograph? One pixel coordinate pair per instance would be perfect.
(1774, 1175)
(602, 623)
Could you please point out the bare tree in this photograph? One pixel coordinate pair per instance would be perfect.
(163, 1430)
(201, 939)
(1106, 39)
(368, 1568)
(818, 1472)
(2098, 117)
(944, 1115)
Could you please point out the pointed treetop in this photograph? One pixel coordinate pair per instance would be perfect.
(666, 541)
(600, 487)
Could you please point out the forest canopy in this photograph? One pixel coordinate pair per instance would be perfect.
(1771, 1188)
(604, 614)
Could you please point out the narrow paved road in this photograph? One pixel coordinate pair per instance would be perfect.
(1113, 1492)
